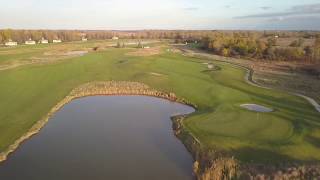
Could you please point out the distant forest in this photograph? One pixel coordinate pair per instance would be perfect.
(300, 46)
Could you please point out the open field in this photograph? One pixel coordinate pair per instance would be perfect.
(290, 133)
(294, 77)
(49, 53)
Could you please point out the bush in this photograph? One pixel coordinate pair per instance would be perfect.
(297, 43)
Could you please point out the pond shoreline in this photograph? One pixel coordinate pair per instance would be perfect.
(93, 89)
(208, 163)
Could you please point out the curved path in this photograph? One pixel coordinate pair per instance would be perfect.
(250, 80)
(248, 77)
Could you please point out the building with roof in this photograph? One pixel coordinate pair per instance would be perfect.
(57, 41)
(30, 42)
(11, 43)
(44, 41)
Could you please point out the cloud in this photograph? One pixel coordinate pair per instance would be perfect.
(227, 6)
(265, 7)
(301, 10)
(292, 23)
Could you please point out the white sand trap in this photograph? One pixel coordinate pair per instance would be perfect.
(156, 74)
(256, 108)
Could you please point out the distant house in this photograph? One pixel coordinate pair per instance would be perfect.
(84, 39)
(115, 38)
(30, 42)
(11, 43)
(56, 41)
(146, 47)
(44, 41)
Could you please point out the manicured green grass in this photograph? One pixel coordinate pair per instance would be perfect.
(292, 132)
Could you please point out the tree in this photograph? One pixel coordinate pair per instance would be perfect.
(118, 45)
(7, 34)
(308, 51)
(269, 54)
(205, 42)
(272, 42)
(1, 38)
(36, 35)
(316, 49)
(178, 38)
(261, 47)
(216, 44)
(139, 45)
(225, 52)
(297, 43)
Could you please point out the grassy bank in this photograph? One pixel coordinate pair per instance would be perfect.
(291, 133)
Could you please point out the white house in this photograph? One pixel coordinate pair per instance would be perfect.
(30, 42)
(56, 41)
(44, 41)
(11, 43)
(84, 39)
(115, 38)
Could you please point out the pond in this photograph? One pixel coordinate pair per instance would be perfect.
(105, 137)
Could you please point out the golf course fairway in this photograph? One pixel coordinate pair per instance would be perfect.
(291, 133)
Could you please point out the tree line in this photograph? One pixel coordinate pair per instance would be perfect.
(75, 35)
(249, 44)
(263, 47)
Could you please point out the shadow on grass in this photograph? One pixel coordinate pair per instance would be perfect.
(255, 155)
(313, 140)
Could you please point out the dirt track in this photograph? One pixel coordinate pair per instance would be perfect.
(253, 77)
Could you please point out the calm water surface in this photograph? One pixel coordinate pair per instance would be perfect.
(105, 137)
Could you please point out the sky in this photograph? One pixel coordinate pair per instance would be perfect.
(160, 14)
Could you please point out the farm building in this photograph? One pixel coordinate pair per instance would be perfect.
(84, 39)
(44, 41)
(30, 42)
(11, 43)
(56, 41)
(115, 38)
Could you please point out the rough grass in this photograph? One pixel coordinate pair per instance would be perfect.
(28, 93)
(146, 52)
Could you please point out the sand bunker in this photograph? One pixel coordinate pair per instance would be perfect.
(64, 53)
(210, 66)
(156, 74)
(76, 53)
(146, 52)
(256, 108)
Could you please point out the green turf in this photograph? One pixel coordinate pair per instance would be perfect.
(292, 132)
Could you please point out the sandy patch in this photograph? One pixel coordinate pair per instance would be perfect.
(75, 53)
(156, 74)
(146, 52)
(256, 108)
(210, 66)
(63, 53)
